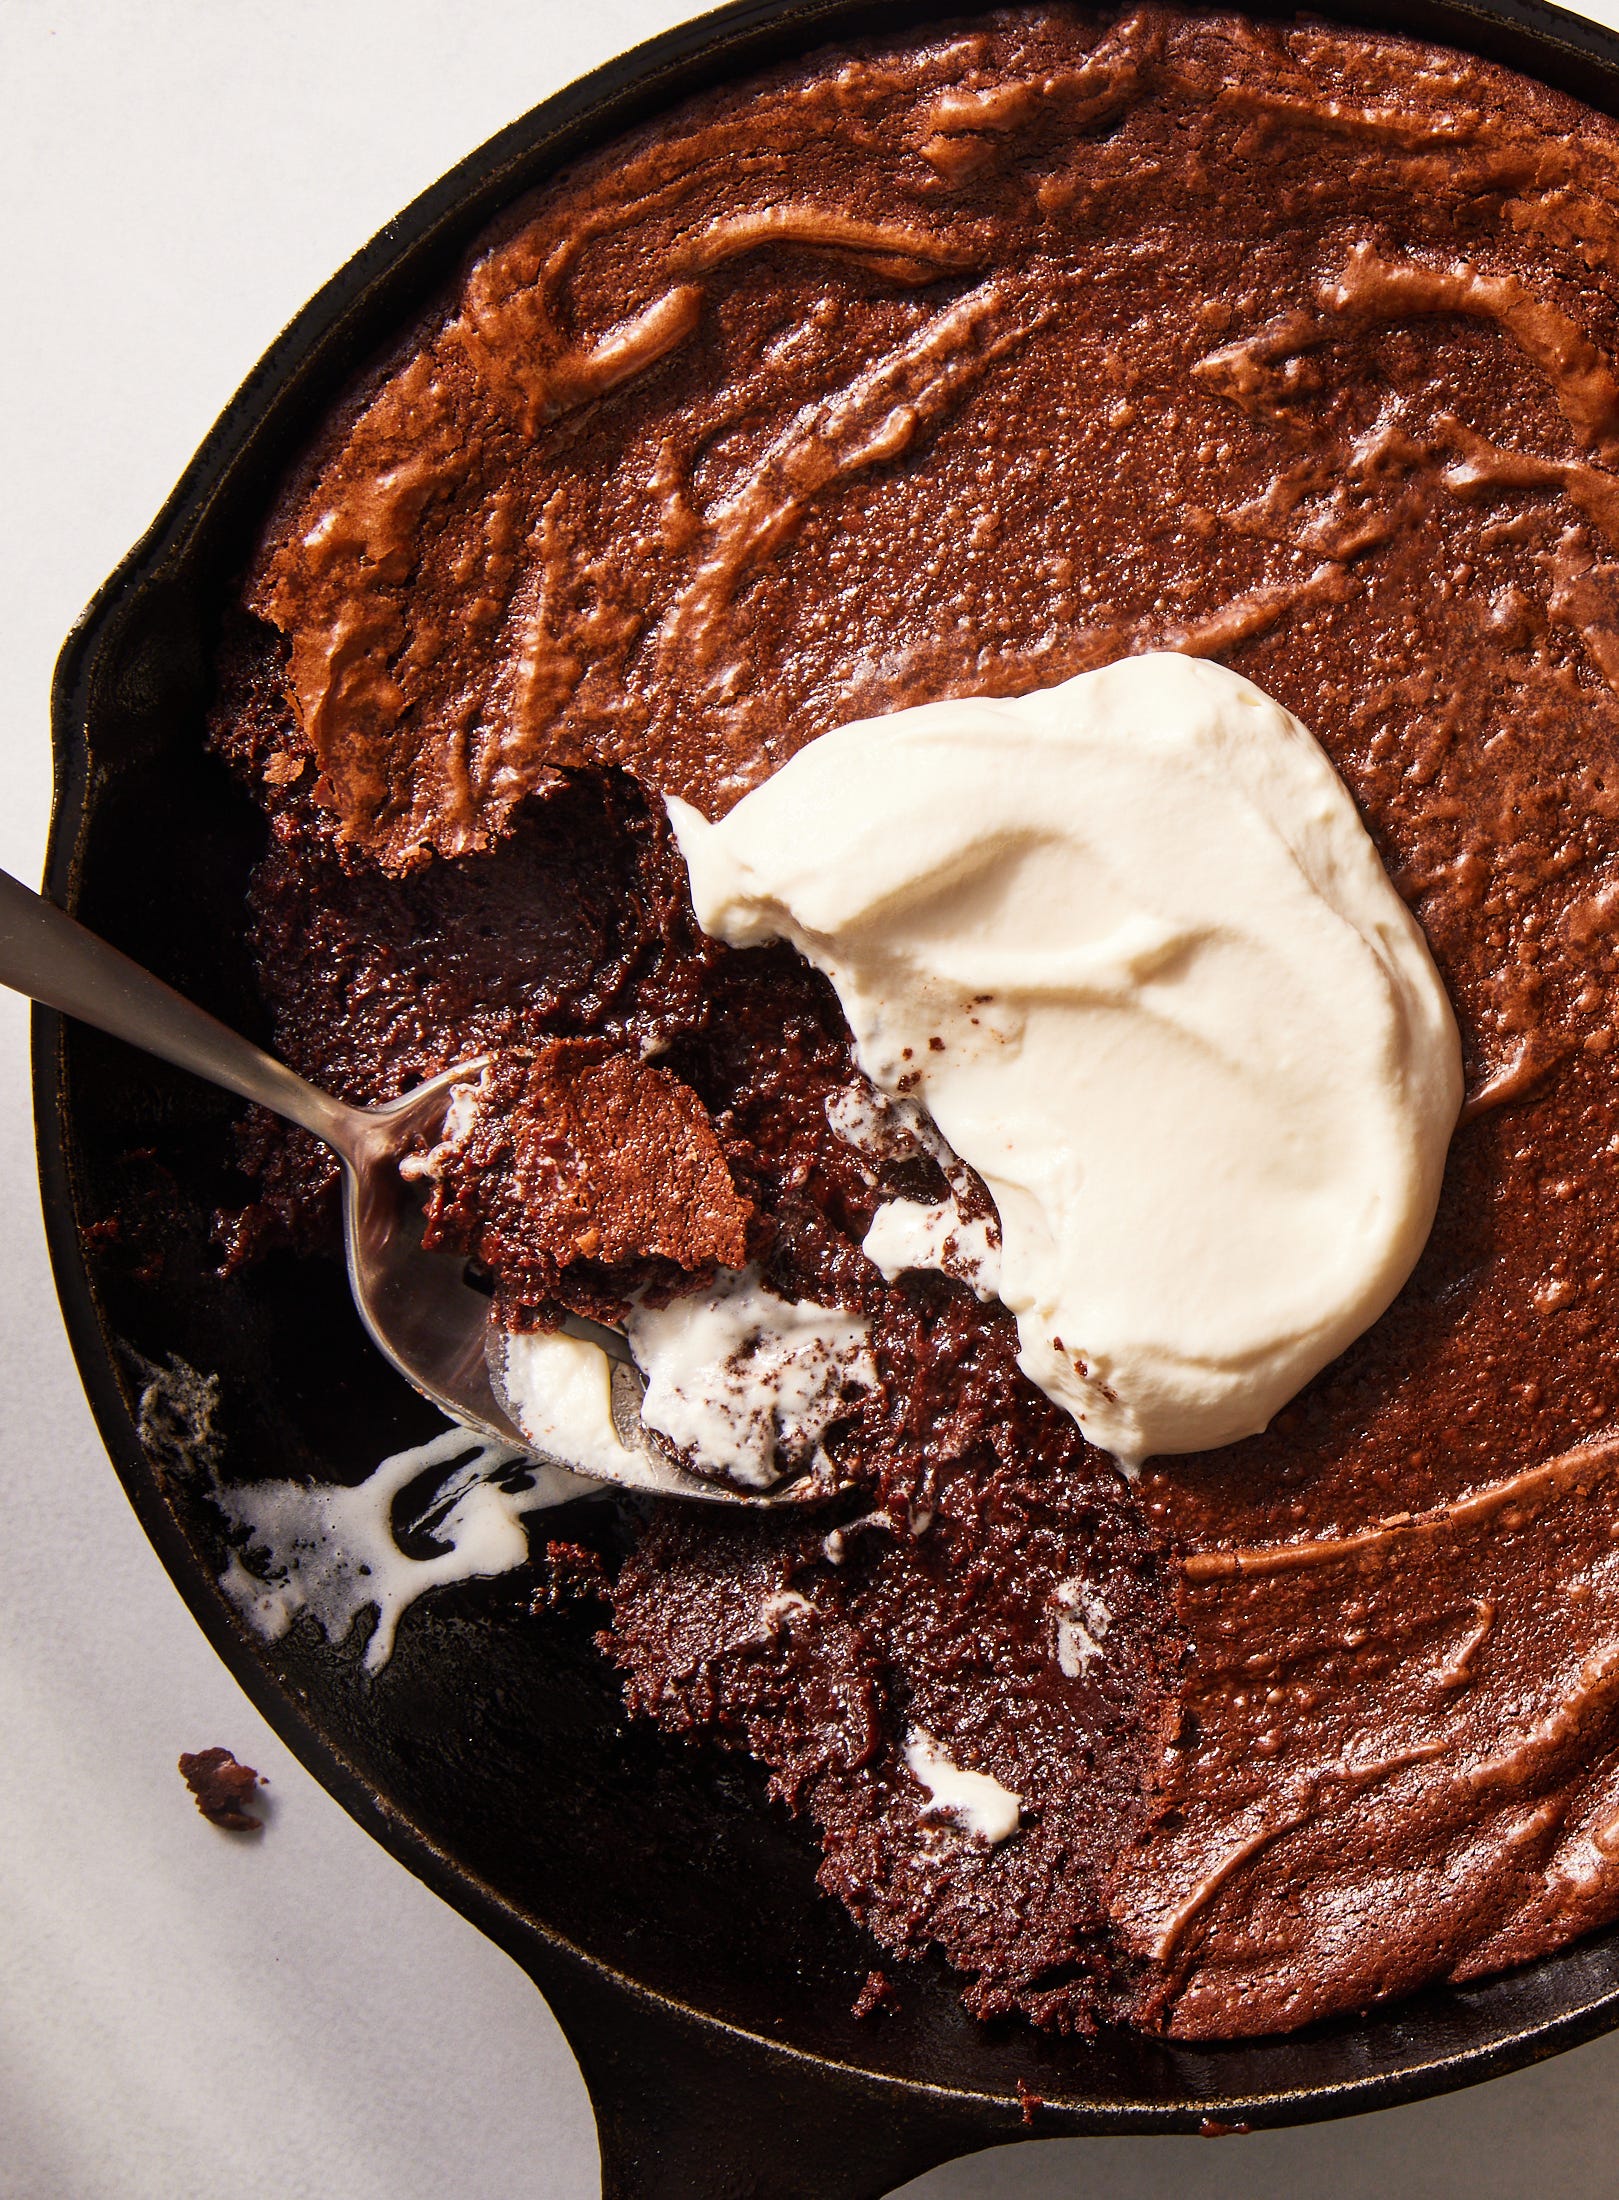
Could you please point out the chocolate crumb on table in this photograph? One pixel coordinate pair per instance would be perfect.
(221, 1786)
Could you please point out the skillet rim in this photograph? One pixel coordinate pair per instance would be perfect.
(233, 469)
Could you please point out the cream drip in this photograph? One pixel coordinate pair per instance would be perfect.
(330, 1550)
(1128, 943)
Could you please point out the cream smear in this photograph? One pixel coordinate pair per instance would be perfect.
(1128, 944)
(906, 1233)
(741, 1382)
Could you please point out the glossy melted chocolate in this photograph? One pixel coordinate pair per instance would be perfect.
(960, 366)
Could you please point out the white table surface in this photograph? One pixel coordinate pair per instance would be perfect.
(182, 2013)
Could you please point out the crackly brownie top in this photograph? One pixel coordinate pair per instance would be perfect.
(961, 364)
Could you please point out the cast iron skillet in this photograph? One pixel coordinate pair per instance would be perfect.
(667, 1913)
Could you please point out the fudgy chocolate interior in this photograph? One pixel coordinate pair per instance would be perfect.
(962, 364)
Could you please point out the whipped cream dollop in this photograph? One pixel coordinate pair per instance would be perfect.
(1129, 945)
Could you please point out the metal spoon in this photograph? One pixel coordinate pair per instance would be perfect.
(421, 1312)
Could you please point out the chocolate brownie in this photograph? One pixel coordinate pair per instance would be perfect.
(959, 363)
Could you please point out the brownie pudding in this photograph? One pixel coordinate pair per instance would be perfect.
(961, 364)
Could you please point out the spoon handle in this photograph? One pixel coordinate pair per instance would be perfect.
(49, 956)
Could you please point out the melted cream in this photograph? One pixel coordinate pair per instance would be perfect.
(1129, 944)
(559, 1391)
(1082, 1622)
(459, 1119)
(883, 1127)
(979, 1804)
(912, 1233)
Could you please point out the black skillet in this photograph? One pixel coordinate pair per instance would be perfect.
(668, 1914)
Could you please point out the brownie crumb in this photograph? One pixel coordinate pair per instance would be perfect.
(221, 1786)
(1028, 2101)
(570, 1573)
(877, 1994)
(576, 1155)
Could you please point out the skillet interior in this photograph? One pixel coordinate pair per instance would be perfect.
(635, 1880)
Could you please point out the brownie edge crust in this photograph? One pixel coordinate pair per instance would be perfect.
(961, 365)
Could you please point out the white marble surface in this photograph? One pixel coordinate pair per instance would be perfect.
(181, 2013)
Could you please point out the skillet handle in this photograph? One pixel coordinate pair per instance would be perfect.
(686, 2111)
